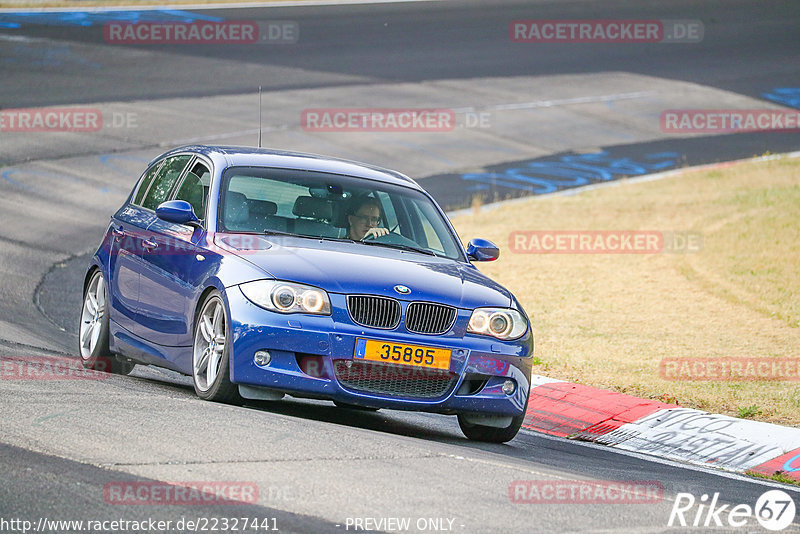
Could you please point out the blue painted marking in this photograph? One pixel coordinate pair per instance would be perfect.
(493, 180)
(542, 177)
(575, 174)
(7, 177)
(788, 96)
(90, 18)
(788, 465)
(529, 176)
(9, 172)
(106, 161)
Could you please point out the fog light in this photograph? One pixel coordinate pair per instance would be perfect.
(262, 358)
(509, 387)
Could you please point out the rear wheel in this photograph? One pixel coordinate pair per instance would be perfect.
(93, 331)
(211, 353)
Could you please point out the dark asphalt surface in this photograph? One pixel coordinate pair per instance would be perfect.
(749, 48)
(38, 487)
(451, 191)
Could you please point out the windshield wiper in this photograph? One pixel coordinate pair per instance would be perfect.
(315, 237)
(340, 239)
(348, 240)
(278, 232)
(401, 247)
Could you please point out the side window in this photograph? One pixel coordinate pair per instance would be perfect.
(145, 184)
(194, 189)
(431, 239)
(434, 234)
(388, 209)
(167, 175)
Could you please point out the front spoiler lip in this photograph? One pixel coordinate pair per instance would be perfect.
(489, 401)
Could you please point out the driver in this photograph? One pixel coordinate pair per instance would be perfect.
(363, 218)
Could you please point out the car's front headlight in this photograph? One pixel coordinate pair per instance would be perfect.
(287, 297)
(502, 323)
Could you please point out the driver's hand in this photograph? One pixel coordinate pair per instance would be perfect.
(375, 232)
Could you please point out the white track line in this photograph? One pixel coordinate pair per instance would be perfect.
(733, 475)
(237, 5)
(558, 102)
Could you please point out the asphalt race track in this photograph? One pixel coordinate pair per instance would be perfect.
(749, 48)
(319, 468)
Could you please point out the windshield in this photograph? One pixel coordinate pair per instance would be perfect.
(322, 205)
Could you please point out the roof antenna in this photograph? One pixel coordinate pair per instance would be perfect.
(259, 116)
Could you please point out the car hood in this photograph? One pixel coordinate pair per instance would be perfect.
(354, 268)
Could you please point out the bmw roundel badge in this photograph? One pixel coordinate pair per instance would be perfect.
(403, 290)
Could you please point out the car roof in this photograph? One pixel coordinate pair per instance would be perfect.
(236, 156)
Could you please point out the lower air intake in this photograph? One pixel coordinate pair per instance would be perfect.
(394, 380)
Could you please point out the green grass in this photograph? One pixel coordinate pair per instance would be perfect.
(607, 320)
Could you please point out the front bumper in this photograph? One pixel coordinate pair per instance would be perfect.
(305, 349)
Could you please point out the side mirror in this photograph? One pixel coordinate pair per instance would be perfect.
(177, 211)
(482, 250)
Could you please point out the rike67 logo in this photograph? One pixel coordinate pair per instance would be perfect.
(774, 510)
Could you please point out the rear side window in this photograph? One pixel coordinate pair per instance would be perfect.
(146, 182)
(164, 181)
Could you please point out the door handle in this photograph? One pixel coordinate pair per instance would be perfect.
(149, 245)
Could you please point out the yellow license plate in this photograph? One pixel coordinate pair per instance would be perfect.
(402, 354)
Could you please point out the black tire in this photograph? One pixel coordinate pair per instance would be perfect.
(492, 434)
(221, 389)
(98, 357)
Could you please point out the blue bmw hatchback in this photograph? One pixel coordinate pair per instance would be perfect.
(263, 273)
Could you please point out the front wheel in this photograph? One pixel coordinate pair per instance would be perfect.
(492, 434)
(93, 332)
(211, 353)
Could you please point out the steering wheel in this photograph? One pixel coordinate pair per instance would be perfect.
(393, 238)
(372, 237)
